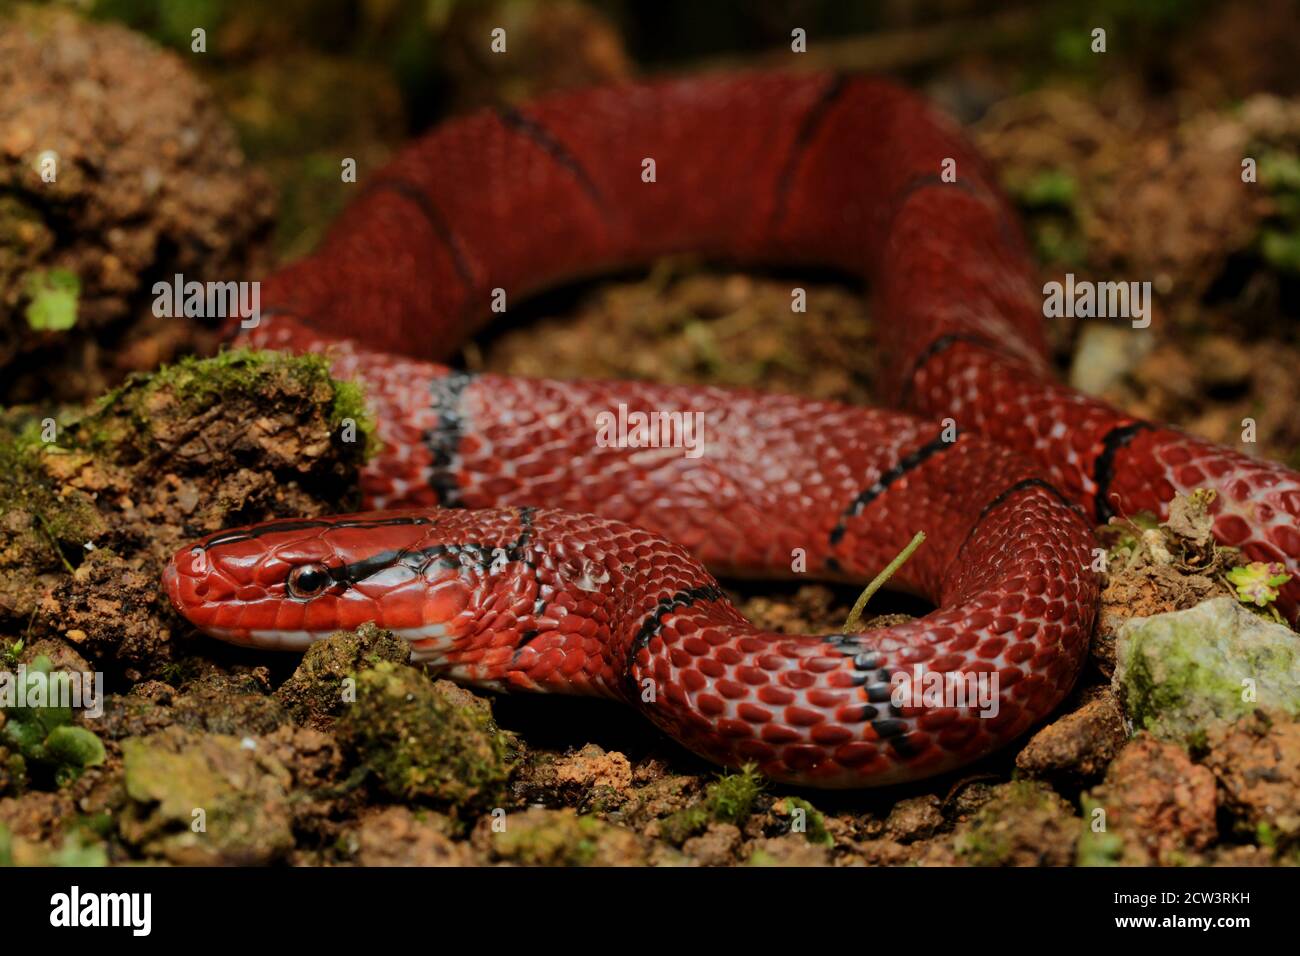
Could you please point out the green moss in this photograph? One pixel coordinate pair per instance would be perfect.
(1265, 835)
(1020, 822)
(814, 822)
(319, 688)
(349, 405)
(200, 383)
(1054, 187)
(1100, 849)
(1097, 849)
(427, 741)
(1049, 201)
(729, 799)
(982, 849)
(563, 839)
(1279, 240)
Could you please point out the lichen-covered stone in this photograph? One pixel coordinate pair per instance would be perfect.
(204, 799)
(1183, 674)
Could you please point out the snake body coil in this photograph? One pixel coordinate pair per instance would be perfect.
(522, 588)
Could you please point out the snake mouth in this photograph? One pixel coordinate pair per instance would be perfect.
(267, 640)
(426, 642)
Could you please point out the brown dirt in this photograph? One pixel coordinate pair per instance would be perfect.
(1159, 802)
(1080, 745)
(149, 182)
(1257, 764)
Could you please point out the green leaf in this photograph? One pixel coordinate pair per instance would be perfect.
(53, 300)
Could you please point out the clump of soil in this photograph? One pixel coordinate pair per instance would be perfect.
(1153, 567)
(117, 169)
(398, 836)
(1154, 807)
(94, 508)
(1024, 823)
(1080, 745)
(1257, 765)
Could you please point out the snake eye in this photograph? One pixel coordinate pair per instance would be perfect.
(308, 581)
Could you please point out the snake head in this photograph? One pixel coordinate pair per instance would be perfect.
(284, 584)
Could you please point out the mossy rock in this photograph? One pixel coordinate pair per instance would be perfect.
(154, 412)
(319, 688)
(205, 799)
(427, 741)
(539, 837)
(1026, 823)
(1183, 674)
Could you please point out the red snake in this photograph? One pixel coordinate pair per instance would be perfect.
(527, 590)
